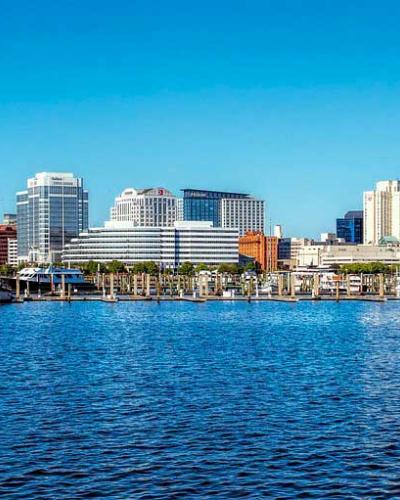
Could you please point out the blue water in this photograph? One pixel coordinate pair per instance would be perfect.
(181, 400)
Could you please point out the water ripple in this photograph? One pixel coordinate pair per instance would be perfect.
(179, 400)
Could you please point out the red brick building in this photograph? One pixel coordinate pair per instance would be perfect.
(264, 249)
(7, 232)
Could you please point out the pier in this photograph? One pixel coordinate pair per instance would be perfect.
(289, 287)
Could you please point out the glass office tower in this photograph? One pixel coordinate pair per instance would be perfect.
(52, 211)
(235, 210)
(350, 228)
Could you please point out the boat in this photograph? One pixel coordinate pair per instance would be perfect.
(5, 295)
(52, 275)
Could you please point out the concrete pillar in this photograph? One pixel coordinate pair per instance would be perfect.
(337, 291)
(348, 285)
(69, 292)
(27, 289)
(135, 285)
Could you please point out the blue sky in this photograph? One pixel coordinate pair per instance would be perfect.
(294, 101)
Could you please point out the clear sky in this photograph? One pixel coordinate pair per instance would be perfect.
(294, 101)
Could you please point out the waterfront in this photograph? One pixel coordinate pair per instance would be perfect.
(178, 399)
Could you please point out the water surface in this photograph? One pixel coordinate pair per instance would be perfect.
(182, 400)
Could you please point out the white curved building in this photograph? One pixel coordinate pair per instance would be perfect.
(194, 241)
(154, 207)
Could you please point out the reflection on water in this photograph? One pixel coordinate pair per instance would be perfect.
(139, 400)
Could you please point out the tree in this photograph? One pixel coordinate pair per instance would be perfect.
(250, 266)
(228, 268)
(186, 268)
(92, 267)
(151, 268)
(21, 266)
(201, 267)
(367, 268)
(116, 266)
(6, 270)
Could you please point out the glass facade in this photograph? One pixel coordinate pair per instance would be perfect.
(350, 228)
(52, 211)
(205, 205)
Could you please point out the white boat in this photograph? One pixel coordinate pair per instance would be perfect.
(51, 275)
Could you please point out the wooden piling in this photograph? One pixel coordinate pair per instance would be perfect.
(293, 285)
(280, 284)
(381, 286)
(63, 287)
(17, 288)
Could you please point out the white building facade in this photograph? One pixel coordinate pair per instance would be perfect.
(12, 250)
(194, 241)
(50, 212)
(382, 212)
(155, 207)
(246, 214)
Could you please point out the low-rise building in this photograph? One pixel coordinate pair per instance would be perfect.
(319, 255)
(288, 251)
(264, 249)
(7, 232)
(196, 242)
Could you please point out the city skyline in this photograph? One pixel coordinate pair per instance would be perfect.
(269, 223)
(290, 102)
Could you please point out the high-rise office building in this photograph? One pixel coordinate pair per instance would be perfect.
(382, 212)
(230, 210)
(350, 227)
(50, 212)
(155, 207)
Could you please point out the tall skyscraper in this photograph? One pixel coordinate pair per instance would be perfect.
(350, 227)
(382, 212)
(230, 210)
(145, 207)
(50, 212)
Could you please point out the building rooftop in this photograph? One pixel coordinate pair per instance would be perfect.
(218, 194)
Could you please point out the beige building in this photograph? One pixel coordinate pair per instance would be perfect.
(331, 255)
(382, 212)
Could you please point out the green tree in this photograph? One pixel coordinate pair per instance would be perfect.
(201, 267)
(366, 268)
(116, 266)
(250, 266)
(228, 268)
(6, 270)
(151, 268)
(138, 268)
(186, 268)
